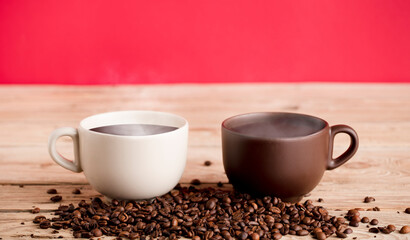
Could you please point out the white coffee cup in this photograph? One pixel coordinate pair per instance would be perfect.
(127, 167)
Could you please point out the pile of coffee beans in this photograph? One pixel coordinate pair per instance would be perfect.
(205, 213)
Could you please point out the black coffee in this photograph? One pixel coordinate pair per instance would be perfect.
(134, 129)
(279, 127)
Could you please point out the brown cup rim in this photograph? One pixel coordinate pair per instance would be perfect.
(224, 126)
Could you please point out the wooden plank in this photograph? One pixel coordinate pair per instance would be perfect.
(18, 210)
(371, 134)
(379, 112)
(367, 165)
(11, 227)
(342, 196)
(198, 101)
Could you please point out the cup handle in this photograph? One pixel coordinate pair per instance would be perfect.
(74, 165)
(354, 144)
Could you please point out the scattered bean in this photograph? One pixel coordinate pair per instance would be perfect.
(374, 222)
(365, 220)
(76, 191)
(56, 198)
(52, 191)
(35, 210)
(196, 182)
(405, 230)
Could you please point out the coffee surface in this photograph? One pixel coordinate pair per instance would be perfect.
(279, 128)
(134, 129)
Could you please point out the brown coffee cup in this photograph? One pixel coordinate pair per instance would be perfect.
(280, 154)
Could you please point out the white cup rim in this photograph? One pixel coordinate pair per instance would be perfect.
(102, 119)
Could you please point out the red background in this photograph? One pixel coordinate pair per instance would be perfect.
(172, 41)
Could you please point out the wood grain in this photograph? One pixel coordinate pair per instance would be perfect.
(11, 228)
(17, 209)
(380, 113)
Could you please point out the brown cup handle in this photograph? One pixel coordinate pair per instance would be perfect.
(354, 144)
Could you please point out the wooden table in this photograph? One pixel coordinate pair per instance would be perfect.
(379, 112)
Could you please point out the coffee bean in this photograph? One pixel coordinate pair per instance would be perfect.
(341, 234)
(57, 225)
(374, 230)
(220, 184)
(196, 182)
(278, 225)
(369, 199)
(407, 210)
(296, 228)
(275, 210)
(38, 219)
(76, 191)
(321, 235)
(385, 230)
(242, 235)
(374, 222)
(277, 236)
(340, 220)
(123, 217)
(365, 220)
(44, 224)
(52, 191)
(348, 231)
(302, 232)
(320, 200)
(196, 238)
(210, 204)
(207, 163)
(405, 230)
(35, 210)
(86, 235)
(56, 198)
(133, 235)
(391, 227)
(352, 212)
(316, 230)
(355, 219)
(77, 214)
(96, 232)
(124, 234)
(255, 236)
(354, 223)
(225, 234)
(376, 209)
